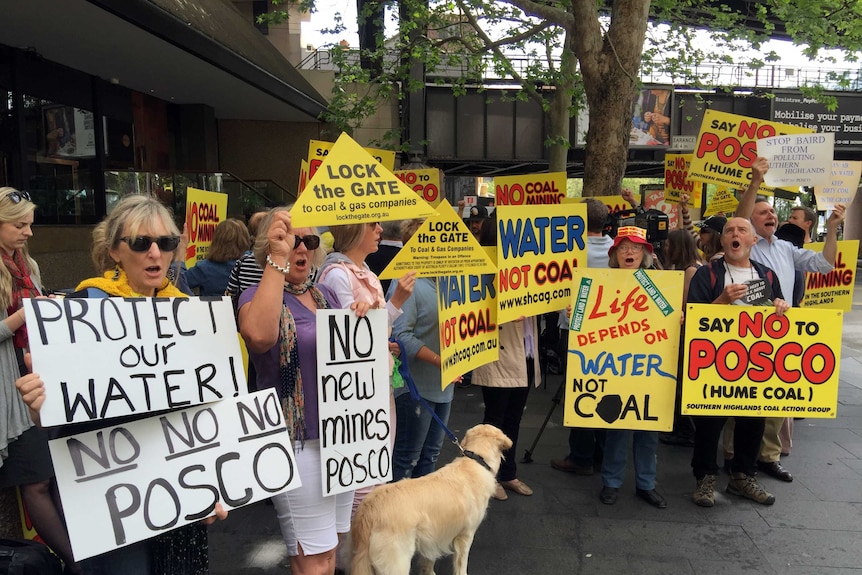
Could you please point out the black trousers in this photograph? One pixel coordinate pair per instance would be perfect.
(746, 444)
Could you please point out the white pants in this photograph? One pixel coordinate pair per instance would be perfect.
(304, 515)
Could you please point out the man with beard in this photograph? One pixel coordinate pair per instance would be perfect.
(727, 281)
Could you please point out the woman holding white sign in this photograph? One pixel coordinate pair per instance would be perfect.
(133, 248)
(631, 251)
(277, 319)
(24, 457)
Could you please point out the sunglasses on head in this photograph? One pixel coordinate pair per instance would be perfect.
(311, 241)
(17, 196)
(143, 243)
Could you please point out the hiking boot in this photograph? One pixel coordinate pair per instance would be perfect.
(748, 487)
(704, 494)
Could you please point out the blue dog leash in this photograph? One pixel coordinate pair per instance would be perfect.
(404, 370)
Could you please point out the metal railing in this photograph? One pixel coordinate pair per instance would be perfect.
(709, 73)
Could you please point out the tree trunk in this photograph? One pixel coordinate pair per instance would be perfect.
(610, 80)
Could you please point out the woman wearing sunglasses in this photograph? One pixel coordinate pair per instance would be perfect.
(133, 248)
(277, 321)
(24, 457)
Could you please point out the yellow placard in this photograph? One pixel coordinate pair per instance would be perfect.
(842, 189)
(723, 202)
(833, 290)
(318, 150)
(532, 189)
(614, 203)
(727, 147)
(204, 211)
(303, 177)
(537, 249)
(442, 245)
(745, 360)
(352, 187)
(676, 180)
(467, 308)
(623, 349)
(425, 182)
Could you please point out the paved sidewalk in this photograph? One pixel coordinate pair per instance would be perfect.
(815, 526)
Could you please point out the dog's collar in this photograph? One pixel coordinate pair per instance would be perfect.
(477, 458)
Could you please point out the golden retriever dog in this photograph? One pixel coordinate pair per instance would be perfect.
(433, 516)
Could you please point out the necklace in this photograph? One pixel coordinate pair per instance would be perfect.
(730, 275)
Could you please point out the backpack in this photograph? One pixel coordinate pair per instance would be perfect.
(25, 557)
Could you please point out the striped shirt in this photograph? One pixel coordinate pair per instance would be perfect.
(245, 273)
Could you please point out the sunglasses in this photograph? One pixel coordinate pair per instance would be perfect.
(311, 242)
(17, 196)
(143, 243)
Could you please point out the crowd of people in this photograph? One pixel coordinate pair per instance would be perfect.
(279, 276)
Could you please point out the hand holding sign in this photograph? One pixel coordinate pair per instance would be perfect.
(836, 217)
(278, 233)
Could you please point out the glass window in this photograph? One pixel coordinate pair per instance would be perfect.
(61, 160)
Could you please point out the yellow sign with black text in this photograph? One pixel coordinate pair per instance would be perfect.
(442, 245)
(352, 187)
(623, 349)
(318, 150)
(749, 361)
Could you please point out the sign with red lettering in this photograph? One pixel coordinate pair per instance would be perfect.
(623, 346)
(204, 211)
(532, 189)
(749, 361)
(676, 180)
(727, 147)
(425, 182)
(537, 249)
(833, 290)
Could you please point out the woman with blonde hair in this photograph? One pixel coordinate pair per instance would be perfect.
(133, 249)
(230, 241)
(25, 461)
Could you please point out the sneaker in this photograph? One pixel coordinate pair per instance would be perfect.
(569, 466)
(748, 487)
(704, 495)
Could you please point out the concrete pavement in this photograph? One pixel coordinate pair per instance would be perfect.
(815, 526)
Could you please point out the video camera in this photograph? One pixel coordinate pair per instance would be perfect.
(655, 222)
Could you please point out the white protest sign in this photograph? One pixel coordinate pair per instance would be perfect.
(353, 399)
(798, 159)
(113, 357)
(842, 187)
(133, 481)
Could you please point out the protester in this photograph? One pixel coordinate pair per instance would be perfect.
(806, 219)
(477, 220)
(785, 260)
(25, 461)
(506, 384)
(419, 435)
(586, 446)
(681, 254)
(725, 281)
(210, 277)
(391, 242)
(246, 272)
(630, 251)
(277, 319)
(134, 248)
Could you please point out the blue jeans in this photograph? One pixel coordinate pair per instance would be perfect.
(644, 444)
(418, 437)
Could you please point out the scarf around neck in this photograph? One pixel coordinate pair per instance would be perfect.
(117, 285)
(293, 397)
(22, 288)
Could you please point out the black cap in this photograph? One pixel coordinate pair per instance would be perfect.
(713, 224)
(478, 213)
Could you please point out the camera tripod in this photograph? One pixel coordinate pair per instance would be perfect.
(555, 401)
